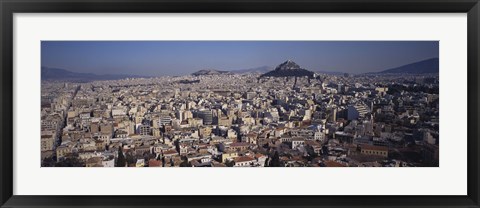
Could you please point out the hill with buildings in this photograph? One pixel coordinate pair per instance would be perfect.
(288, 69)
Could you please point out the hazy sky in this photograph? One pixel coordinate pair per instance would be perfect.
(155, 58)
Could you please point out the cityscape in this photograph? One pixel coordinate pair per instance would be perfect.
(281, 114)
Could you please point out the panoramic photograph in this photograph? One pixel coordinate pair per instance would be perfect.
(239, 104)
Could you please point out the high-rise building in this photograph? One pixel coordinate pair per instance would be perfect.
(207, 116)
(357, 111)
(165, 120)
(144, 129)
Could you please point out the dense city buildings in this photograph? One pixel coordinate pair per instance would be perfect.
(243, 120)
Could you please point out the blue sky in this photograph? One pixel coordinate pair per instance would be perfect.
(157, 58)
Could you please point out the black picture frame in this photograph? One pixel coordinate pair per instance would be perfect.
(9, 7)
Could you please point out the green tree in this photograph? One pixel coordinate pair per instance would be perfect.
(48, 162)
(311, 152)
(266, 162)
(230, 163)
(120, 159)
(130, 159)
(185, 163)
(177, 146)
(275, 162)
(70, 162)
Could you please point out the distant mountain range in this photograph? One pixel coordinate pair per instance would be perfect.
(288, 69)
(261, 69)
(65, 75)
(421, 67)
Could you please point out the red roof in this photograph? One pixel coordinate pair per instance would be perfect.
(333, 164)
(171, 151)
(239, 144)
(258, 155)
(154, 163)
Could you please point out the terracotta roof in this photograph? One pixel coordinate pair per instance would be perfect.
(171, 151)
(243, 159)
(154, 163)
(218, 165)
(251, 135)
(284, 158)
(296, 158)
(239, 144)
(258, 155)
(333, 164)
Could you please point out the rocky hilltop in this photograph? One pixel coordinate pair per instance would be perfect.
(288, 69)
